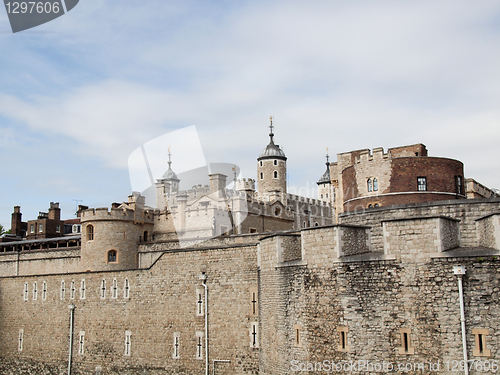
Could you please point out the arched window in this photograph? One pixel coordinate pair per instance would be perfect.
(369, 185)
(275, 174)
(112, 256)
(376, 205)
(370, 206)
(261, 163)
(90, 232)
(261, 175)
(321, 196)
(375, 184)
(275, 162)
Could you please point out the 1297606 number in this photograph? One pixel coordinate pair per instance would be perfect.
(32, 7)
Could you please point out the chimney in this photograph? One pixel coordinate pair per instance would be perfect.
(16, 221)
(54, 211)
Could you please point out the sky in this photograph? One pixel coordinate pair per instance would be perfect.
(79, 94)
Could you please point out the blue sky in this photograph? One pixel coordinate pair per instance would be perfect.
(80, 93)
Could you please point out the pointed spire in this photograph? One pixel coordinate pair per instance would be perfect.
(327, 157)
(271, 134)
(169, 160)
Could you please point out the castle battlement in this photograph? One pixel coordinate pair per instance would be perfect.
(120, 214)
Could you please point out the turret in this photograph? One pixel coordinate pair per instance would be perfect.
(167, 185)
(271, 170)
(325, 187)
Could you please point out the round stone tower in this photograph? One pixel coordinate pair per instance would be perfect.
(271, 171)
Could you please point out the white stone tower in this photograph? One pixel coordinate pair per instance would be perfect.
(166, 186)
(325, 187)
(271, 171)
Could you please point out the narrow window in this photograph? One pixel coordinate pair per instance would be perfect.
(176, 351)
(35, 291)
(275, 174)
(126, 289)
(254, 334)
(82, 289)
(297, 341)
(20, 340)
(406, 347)
(458, 180)
(261, 163)
(480, 343)
(81, 342)
(145, 236)
(276, 162)
(199, 344)
(72, 290)
(261, 175)
(199, 303)
(343, 344)
(58, 228)
(128, 343)
(369, 185)
(63, 289)
(326, 195)
(90, 232)
(422, 183)
(40, 228)
(321, 196)
(32, 228)
(115, 289)
(375, 184)
(26, 292)
(112, 256)
(44, 291)
(254, 302)
(103, 289)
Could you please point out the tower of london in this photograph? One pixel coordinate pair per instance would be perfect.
(242, 277)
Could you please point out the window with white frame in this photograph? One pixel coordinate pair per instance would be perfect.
(35, 291)
(128, 343)
(254, 334)
(199, 303)
(199, 344)
(422, 183)
(58, 228)
(177, 345)
(254, 301)
(81, 343)
(26, 291)
(82, 289)
(103, 289)
(63, 289)
(44, 291)
(72, 290)
(20, 340)
(32, 228)
(114, 292)
(126, 289)
(40, 227)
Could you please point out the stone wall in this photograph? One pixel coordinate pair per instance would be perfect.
(467, 211)
(162, 301)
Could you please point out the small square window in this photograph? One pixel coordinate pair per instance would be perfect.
(422, 183)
